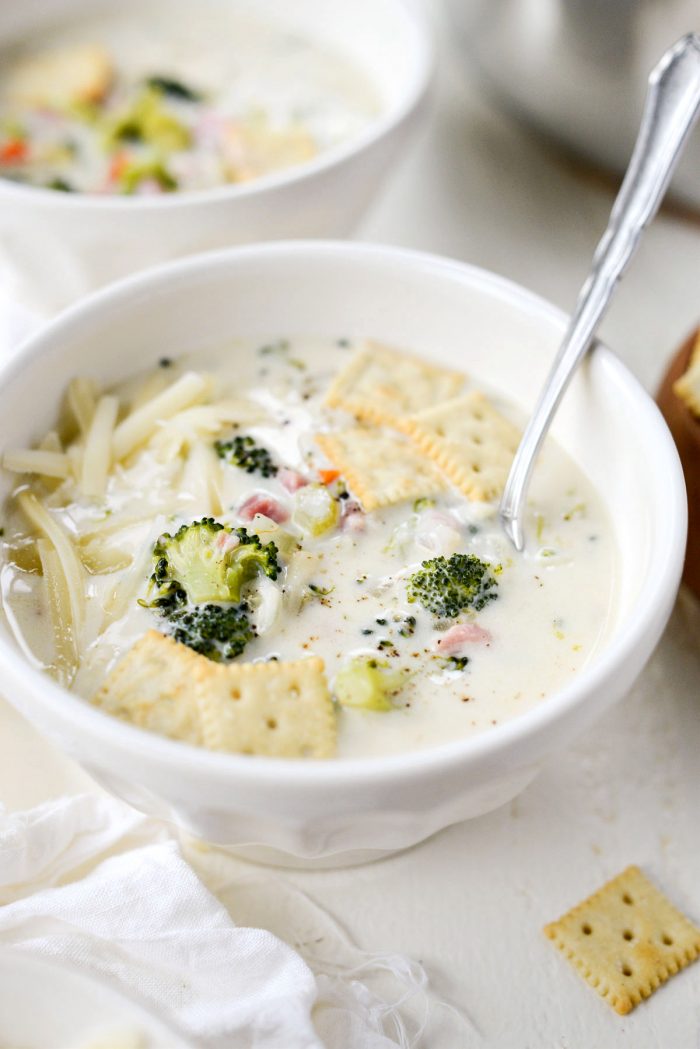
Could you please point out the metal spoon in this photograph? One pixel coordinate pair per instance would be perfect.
(670, 111)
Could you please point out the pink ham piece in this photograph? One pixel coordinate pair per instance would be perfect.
(462, 634)
(352, 516)
(292, 480)
(263, 504)
(354, 523)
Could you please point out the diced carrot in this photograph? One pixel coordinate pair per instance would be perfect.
(328, 476)
(13, 149)
(118, 165)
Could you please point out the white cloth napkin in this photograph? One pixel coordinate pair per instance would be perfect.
(89, 880)
(143, 919)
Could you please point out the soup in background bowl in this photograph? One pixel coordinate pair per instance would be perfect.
(136, 132)
(174, 99)
(614, 475)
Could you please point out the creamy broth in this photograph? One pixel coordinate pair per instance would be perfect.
(173, 96)
(342, 594)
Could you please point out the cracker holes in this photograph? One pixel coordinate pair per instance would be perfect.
(271, 723)
(627, 935)
(626, 969)
(626, 898)
(586, 929)
(666, 940)
(235, 693)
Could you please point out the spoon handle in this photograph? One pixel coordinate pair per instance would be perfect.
(670, 111)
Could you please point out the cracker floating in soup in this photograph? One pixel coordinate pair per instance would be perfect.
(380, 468)
(471, 442)
(380, 385)
(273, 708)
(212, 551)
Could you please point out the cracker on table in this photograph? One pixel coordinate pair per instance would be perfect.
(280, 709)
(382, 385)
(380, 467)
(76, 73)
(470, 442)
(687, 387)
(626, 939)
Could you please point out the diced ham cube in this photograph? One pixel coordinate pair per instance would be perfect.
(462, 634)
(263, 504)
(292, 480)
(354, 523)
(352, 516)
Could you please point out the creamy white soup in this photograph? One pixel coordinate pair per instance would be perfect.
(359, 543)
(169, 96)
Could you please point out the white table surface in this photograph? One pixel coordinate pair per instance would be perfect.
(470, 903)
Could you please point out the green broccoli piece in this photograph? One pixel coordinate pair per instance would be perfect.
(148, 120)
(60, 184)
(205, 561)
(243, 452)
(448, 586)
(137, 172)
(174, 88)
(170, 595)
(215, 631)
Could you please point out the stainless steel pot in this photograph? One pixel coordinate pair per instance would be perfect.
(577, 69)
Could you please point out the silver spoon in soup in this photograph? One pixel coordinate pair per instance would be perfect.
(670, 112)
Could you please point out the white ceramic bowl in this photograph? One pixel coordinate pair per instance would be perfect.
(454, 314)
(56, 246)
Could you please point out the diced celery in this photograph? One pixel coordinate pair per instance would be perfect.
(149, 121)
(368, 683)
(268, 530)
(315, 511)
(134, 174)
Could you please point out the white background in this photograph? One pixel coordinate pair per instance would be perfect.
(471, 902)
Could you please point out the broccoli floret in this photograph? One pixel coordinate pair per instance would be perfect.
(149, 120)
(205, 561)
(169, 597)
(174, 88)
(137, 172)
(448, 586)
(243, 452)
(215, 631)
(60, 184)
